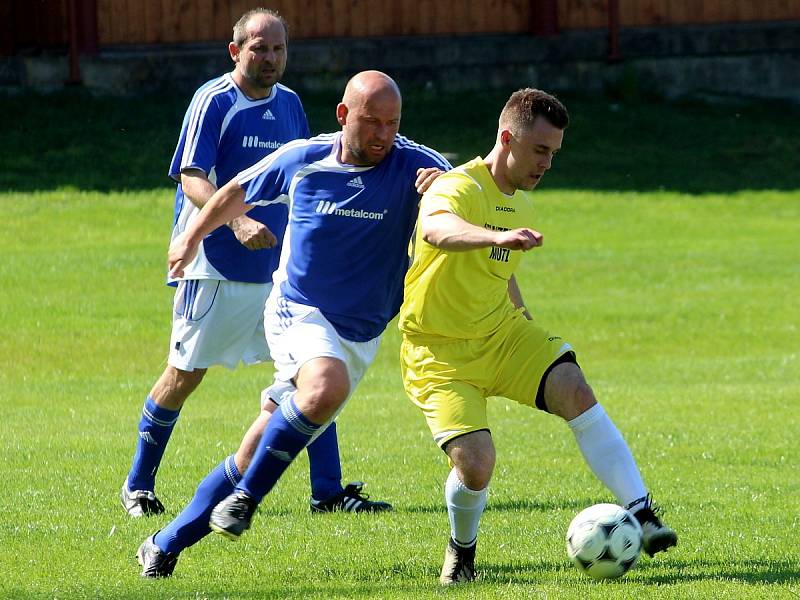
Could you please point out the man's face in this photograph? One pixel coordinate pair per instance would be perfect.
(531, 153)
(261, 60)
(369, 128)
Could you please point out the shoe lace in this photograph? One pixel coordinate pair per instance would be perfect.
(354, 490)
(650, 511)
(241, 507)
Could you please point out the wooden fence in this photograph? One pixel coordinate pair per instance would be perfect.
(581, 14)
(45, 23)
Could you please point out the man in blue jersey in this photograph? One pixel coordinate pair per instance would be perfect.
(232, 122)
(353, 199)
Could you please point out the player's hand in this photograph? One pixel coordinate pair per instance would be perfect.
(519, 239)
(425, 178)
(180, 254)
(252, 234)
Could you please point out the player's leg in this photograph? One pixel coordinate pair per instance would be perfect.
(213, 323)
(159, 553)
(442, 380)
(567, 395)
(327, 493)
(307, 350)
(325, 468)
(466, 492)
(322, 385)
(159, 415)
(540, 370)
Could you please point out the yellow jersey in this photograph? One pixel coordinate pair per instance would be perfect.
(464, 294)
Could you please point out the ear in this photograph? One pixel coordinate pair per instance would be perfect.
(341, 113)
(233, 50)
(505, 137)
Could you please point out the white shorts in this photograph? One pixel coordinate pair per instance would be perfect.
(297, 333)
(218, 323)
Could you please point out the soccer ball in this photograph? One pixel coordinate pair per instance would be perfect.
(604, 541)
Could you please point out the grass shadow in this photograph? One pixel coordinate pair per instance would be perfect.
(750, 571)
(103, 144)
(522, 505)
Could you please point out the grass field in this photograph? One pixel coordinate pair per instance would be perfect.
(671, 262)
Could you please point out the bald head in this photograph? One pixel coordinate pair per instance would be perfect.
(369, 114)
(369, 85)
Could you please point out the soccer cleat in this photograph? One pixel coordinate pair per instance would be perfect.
(138, 503)
(459, 564)
(350, 499)
(656, 537)
(232, 516)
(155, 562)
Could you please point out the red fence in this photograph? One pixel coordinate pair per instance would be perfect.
(45, 23)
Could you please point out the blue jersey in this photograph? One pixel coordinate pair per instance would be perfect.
(223, 133)
(346, 248)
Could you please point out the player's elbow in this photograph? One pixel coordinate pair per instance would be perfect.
(431, 236)
(433, 232)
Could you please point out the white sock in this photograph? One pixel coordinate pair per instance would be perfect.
(464, 507)
(607, 454)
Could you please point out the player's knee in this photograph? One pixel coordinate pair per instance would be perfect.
(583, 398)
(567, 394)
(186, 382)
(175, 386)
(476, 472)
(322, 391)
(331, 389)
(474, 461)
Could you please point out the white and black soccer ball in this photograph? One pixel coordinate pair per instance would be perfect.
(604, 541)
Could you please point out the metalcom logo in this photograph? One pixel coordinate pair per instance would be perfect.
(329, 208)
(252, 141)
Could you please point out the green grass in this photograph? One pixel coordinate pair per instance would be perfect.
(682, 303)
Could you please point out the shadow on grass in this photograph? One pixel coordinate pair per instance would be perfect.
(104, 144)
(753, 571)
(522, 505)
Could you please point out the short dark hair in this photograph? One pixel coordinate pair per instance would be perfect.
(526, 104)
(240, 35)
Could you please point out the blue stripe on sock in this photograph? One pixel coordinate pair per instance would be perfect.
(231, 472)
(286, 434)
(155, 429)
(296, 419)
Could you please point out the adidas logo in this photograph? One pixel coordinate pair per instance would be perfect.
(281, 455)
(268, 116)
(356, 183)
(148, 438)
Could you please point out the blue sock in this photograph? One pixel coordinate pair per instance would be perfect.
(155, 427)
(287, 433)
(191, 525)
(325, 466)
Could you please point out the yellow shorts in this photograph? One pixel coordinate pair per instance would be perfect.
(450, 380)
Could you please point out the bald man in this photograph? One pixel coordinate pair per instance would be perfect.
(353, 198)
(232, 123)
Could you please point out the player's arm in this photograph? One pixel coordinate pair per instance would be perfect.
(515, 295)
(252, 234)
(226, 204)
(448, 231)
(197, 187)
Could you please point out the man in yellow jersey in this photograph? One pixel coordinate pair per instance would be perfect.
(467, 334)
